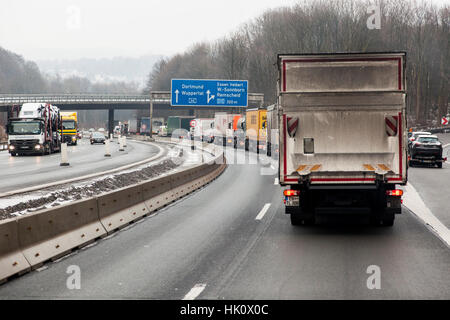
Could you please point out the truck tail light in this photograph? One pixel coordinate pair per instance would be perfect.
(395, 193)
(290, 193)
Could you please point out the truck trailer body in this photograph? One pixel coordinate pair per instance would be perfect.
(34, 130)
(69, 127)
(179, 124)
(272, 131)
(343, 135)
(202, 129)
(224, 126)
(256, 129)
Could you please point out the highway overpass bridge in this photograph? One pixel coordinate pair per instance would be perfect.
(158, 101)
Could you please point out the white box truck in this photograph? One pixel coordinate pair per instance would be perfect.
(34, 128)
(343, 137)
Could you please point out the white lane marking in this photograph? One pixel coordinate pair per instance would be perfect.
(263, 211)
(276, 181)
(414, 202)
(195, 291)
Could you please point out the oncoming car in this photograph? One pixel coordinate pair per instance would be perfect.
(97, 137)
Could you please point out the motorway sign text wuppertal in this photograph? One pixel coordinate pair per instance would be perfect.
(218, 93)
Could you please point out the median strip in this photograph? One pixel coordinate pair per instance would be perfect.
(89, 176)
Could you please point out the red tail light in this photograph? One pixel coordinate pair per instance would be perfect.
(289, 193)
(395, 193)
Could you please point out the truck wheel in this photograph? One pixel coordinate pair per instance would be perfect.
(411, 163)
(297, 220)
(388, 222)
(439, 165)
(383, 222)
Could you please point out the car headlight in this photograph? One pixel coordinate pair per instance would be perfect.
(74, 138)
(37, 147)
(11, 147)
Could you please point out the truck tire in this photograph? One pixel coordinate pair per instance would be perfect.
(388, 222)
(297, 220)
(439, 165)
(383, 221)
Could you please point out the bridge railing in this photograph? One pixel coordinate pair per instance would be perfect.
(9, 99)
(162, 97)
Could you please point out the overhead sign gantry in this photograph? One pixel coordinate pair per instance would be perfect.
(207, 93)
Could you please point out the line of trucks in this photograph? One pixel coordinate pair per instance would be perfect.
(40, 128)
(339, 132)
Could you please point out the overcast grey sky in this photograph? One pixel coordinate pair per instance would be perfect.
(68, 29)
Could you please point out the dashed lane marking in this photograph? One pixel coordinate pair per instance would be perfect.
(195, 291)
(263, 211)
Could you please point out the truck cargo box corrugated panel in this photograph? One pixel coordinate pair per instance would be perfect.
(344, 146)
(342, 72)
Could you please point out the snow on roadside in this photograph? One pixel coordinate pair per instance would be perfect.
(178, 157)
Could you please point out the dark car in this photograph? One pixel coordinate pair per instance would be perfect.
(414, 136)
(97, 137)
(426, 149)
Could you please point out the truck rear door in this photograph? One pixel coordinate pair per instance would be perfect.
(342, 118)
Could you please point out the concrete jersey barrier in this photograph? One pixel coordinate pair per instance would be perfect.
(12, 261)
(54, 232)
(29, 241)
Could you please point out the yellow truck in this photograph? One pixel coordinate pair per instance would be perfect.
(69, 127)
(256, 129)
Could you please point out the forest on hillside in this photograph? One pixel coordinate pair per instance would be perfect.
(249, 53)
(20, 76)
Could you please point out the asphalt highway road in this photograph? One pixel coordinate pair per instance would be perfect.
(27, 171)
(232, 239)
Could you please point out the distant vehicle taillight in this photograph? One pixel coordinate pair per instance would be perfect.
(290, 193)
(395, 193)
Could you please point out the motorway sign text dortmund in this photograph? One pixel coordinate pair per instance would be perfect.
(205, 93)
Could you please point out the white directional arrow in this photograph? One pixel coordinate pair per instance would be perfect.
(208, 97)
(176, 95)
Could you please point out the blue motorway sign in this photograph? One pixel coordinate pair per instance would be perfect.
(205, 93)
